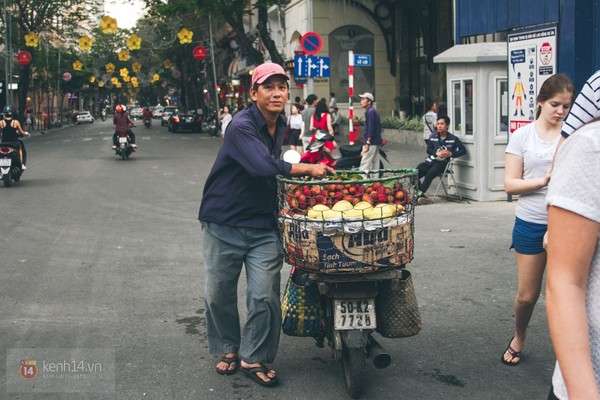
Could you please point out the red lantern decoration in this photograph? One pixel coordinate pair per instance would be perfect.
(66, 77)
(24, 57)
(199, 53)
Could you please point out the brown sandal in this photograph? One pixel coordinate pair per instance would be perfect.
(513, 354)
(229, 361)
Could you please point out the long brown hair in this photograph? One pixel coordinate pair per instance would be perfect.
(557, 83)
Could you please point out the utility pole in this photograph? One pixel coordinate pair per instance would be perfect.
(212, 57)
(6, 55)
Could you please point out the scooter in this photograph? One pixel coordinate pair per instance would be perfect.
(348, 269)
(10, 163)
(103, 114)
(321, 150)
(147, 123)
(210, 125)
(124, 149)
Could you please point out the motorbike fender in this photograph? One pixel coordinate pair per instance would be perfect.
(356, 338)
(4, 171)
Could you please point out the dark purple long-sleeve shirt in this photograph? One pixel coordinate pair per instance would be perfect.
(241, 189)
(372, 131)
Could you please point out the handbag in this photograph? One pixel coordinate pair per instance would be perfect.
(397, 309)
(301, 310)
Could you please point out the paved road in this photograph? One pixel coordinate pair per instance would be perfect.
(98, 252)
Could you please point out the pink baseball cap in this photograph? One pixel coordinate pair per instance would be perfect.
(265, 71)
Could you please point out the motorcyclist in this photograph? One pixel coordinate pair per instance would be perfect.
(122, 123)
(11, 129)
(147, 115)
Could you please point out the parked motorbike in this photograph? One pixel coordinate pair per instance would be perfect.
(210, 125)
(124, 149)
(147, 123)
(321, 150)
(10, 164)
(349, 271)
(103, 114)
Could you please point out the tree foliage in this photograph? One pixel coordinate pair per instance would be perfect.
(56, 21)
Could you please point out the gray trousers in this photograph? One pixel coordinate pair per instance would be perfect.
(226, 250)
(370, 159)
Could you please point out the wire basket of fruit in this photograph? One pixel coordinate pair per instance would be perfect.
(349, 222)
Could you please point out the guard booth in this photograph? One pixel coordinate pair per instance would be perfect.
(477, 87)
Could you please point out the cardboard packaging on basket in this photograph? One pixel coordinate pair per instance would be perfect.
(313, 249)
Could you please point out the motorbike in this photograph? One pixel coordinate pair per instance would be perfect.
(210, 125)
(147, 123)
(103, 114)
(349, 269)
(10, 164)
(124, 148)
(321, 150)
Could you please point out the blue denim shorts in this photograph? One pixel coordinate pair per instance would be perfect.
(528, 237)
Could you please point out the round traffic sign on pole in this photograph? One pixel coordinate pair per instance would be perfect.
(311, 43)
(199, 53)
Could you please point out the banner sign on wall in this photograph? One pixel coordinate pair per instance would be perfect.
(532, 59)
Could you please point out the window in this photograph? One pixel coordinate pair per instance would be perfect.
(462, 107)
(501, 107)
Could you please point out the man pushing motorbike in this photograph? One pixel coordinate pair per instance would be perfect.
(238, 215)
(122, 123)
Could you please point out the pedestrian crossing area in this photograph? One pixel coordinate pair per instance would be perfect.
(138, 137)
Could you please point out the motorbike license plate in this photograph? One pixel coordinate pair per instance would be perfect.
(122, 140)
(5, 162)
(354, 314)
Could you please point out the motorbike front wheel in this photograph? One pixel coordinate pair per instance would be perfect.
(353, 363)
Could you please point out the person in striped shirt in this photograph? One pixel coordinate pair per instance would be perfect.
(586, 107)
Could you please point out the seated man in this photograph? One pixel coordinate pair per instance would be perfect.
(441, 147)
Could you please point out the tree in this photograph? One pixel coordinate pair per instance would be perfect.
(56, 20)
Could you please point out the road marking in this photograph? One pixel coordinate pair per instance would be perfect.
(87, 139)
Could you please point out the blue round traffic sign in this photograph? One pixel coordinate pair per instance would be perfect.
(311, 43)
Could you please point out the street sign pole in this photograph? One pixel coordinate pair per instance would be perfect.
(350, 94)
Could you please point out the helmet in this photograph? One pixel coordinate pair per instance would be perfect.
(119, 108)
(8, 111)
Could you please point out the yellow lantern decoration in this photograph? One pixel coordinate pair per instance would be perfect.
(136, 67)
(108, 24)
(110, 67)
(123, 55)
(77, 65)
(167, 64)
(126, 78)
(114, 80)
(32, 39)
(155, 78)
(100, 83)
(134, 82)
(134, 42)
(185, 36)
(92, 79)
(124, 72)
(118, 85)
(85, 43)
